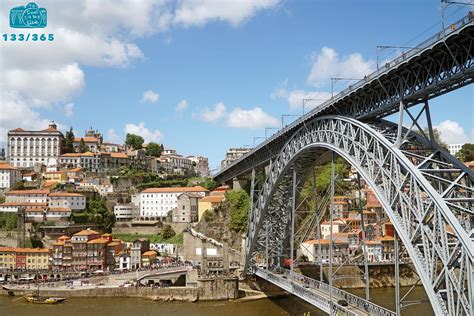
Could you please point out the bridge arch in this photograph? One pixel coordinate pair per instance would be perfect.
(436, 238)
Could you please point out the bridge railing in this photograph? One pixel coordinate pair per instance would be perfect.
(354, 300)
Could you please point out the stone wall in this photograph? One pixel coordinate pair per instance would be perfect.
(207, 290)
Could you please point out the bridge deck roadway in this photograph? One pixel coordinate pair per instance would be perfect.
(317, 294)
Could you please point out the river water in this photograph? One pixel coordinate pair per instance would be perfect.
(288, 305)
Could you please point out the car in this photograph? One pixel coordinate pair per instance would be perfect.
(342, 303)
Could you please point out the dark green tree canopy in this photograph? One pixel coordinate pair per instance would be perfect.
(154, 149)
(466, 153)
(83, 147)
(167, 232)
(69, 141)
(134, 141)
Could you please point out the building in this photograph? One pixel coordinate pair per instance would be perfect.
(124, 261)
(232, 155)
(8, 176)
(148, 258)
(32, 259)
(88, 161)
(7, 258)
(338, 226)
(125, 212)
(27, 196)
(74, 201)
(187, 208)
(156, 202)
(201, 165)
(79, 248)
(111, 148)
(57, 176)
(27, 148)
(92, 139)
(138, 247)
(310, 249)
(173, 163)
(62, 254)
(208, 203)
(454, 148)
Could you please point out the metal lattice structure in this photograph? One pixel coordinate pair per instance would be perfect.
(426, 194)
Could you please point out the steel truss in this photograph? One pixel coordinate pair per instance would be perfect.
(426, 194)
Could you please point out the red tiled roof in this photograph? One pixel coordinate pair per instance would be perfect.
(175, 190)
(213, 199)
(5, 166)
(86, 139)
(86, 232)
(23, 204)
(19, 129)
(25, 192)
(55, 194)
(59, 209)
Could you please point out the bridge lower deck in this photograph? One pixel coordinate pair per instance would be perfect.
(318, 294)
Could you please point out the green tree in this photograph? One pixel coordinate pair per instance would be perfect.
(239, 209)
(153, 149)
(167, 232)
(466, 153)
(437, 137)
(134, 141)
(83, 147)
(69, 141)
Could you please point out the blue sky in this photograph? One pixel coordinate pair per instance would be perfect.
(235, 67)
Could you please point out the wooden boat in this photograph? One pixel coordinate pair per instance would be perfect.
(43, 300)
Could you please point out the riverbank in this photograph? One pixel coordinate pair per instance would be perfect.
(212, 289)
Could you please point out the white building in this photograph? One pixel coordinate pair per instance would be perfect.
(454, 148)
(27, 148)
(27, 196)
(8, 176)
(88, 161)
(232, 155)
(73, 201)
(156, 202)
(201, 165)
(175, 163)
(125, 212)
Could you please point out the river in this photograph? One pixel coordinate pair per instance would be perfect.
(288, 305)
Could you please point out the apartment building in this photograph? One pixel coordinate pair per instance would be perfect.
(9, 175)
(27, 148)
(156, 202)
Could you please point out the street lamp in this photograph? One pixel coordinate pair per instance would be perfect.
(444, 5)
(257, 137)
(335, 79)
(283, 118)
(306, 100)
(269, 129)
(380, 48)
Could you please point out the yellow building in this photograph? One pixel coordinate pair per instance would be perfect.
(7, 258)
(208, 203)
(148, 258)
(36, 259)
(57, 176)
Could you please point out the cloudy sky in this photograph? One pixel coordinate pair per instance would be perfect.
(204, 75)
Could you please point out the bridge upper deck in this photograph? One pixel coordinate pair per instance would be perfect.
(440, 64)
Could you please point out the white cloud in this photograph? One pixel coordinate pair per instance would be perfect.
(140, 129)
(182, 105)
(112, 136)
(45, 86)
(68, 109)
(453, 133)
(200, 12)
(213, 115)
(16, 113)
(254, 118)
(295, 98)
(328, 64)
(150, 96)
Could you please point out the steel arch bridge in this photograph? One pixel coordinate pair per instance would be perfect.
(428, 213)
(427, 194)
